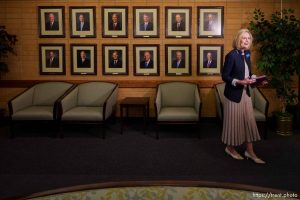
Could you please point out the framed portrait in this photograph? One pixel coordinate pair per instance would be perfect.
(52, 59)
(146, 22)
(82, 22)
(52, 21)
(210, 22)
(178, 22)
(83, 59)
(115, 59)
(146, 60)
(178, 60)
(114, 21)
(210, 59)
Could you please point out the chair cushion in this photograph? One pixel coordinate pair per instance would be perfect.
(94, 93)
(45, 94)
(84, 114)
(34, 113)
(178, 114)
(177, 94)
(259, 116)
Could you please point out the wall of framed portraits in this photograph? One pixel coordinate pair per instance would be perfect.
(134, 43)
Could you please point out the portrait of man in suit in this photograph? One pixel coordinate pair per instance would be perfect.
(178, 23)
(147, 62)
(146, 24)
(82, 22)
(178, 61)
(83, 60)
(210, 23)
(51, 21)
(114, 22)
(115, 59)
(209, 60)
(52, 60)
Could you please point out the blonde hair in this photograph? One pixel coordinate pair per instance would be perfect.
(236, 43)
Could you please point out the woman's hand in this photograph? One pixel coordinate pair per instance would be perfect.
(246, 81)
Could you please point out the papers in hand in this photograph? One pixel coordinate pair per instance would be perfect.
(259, 79)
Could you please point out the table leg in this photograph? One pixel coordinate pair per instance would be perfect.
(145, 117)
(121, 118)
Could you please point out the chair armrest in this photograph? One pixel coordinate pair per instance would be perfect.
(260, 101)
(219, 104)
(69, 101)
(57, 109)
(157, 102)
(21, 101)
(197, 102)
(110, 103)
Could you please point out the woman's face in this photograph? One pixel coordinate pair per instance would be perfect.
(245, 41)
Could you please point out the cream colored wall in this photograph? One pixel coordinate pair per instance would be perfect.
(21, 18)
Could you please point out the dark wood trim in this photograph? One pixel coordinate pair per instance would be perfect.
(221, 105)
(175, 183)
(105, 103)
(57, 104)
(121, 83)
(267, 106)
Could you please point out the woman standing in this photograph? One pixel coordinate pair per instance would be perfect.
(239, 125)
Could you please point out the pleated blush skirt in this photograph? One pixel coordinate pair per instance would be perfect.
(239, 123)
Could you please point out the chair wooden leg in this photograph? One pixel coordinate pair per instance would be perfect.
(12, 129)
(61, 131)
(103, 131)
(265, 130)
(157, 131)
(56, 129)
(198, 128)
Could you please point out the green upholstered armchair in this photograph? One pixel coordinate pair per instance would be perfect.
(37, 103)
(260, 105)
(91, 102)
(177, 102)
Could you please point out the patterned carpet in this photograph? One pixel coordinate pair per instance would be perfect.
(160, 193)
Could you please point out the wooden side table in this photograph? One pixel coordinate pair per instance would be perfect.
(135, 102)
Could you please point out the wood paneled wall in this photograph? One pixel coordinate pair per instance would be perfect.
(21, 18)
